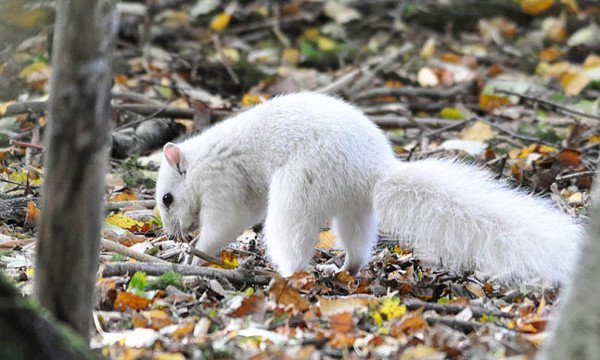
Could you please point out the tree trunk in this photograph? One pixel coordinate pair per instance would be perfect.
(26, 332)
(577, 330)
(75, 164)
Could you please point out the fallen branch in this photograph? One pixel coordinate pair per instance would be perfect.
(399, 122)
(558, 107)
(514, 134)
(460, 89)
(153, 110)
(575, 175)
(234, 276)
(118, 205)
(108, 245)
(455, 309)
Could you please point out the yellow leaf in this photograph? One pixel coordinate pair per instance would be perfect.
(592, 139)
(326, 240)
(489, 102)
(252, 99)
(536, 6)
(4, 106)
(122, 221)
(421, 352)
(290, 56)
(126, 195)
(428, 49)
(479, 131)
(451, 113)
(33, 68)
(311, 33)
(220, 21)
(326, 44)
(377, 318)
(574, 82)
(232, 54)
(168, 356)
(392, 308)
(591, 61)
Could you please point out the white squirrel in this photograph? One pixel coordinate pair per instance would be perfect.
(299, 160)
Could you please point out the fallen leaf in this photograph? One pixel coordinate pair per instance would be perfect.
(534, 7)
(126, 300)
(333, 305)
(427, 78)
(32, 215)
(341, 322)
(220, 21)
(287, 296)
(478, 131)
(326, 240)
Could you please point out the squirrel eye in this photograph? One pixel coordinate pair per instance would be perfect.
(167, 199)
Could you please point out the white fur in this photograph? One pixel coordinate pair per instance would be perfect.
(299, 160)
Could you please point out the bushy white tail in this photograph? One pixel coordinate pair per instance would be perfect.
(458, 214)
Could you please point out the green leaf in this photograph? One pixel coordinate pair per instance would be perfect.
(137, 284)
(451, 113)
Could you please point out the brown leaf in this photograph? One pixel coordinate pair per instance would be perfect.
(32, 215)
(287, 296)
(341, 322)
(409, 326)
(250, 305)
(127, 300)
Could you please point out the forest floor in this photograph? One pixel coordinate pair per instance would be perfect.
(512, 86)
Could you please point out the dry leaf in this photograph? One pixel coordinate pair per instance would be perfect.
(574, 82)
(286, 295)
(127, 300)
(536, 6)
(341, 322)
(220, 21)
(32, 215)
(326, 240)
(427, 78)
(479, 131)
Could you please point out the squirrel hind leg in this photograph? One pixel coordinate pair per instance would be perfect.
(291, 228)
(357, 233)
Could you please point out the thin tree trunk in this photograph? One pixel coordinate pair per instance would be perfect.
(577, 330)
(76, 160)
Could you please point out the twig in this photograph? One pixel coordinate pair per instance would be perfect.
(575, 175)
(226, 63)
(108, 245)
(552, 104)
(369, 74)
(142, 109)
(411, 91)
(514, 134)
(234, 276)
(395, 122)
(27, 145)
(139, 121)
(455, 309)
(118, 205)
(448, 127)
(464, 326)
(206, 257)
(340, 82)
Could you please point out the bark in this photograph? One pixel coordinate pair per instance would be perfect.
(76, 159)
(27, 333)
(577, 330)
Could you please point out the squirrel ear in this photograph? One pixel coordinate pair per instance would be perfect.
(172, 154)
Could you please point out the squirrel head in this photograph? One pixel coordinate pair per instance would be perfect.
(173, 196)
